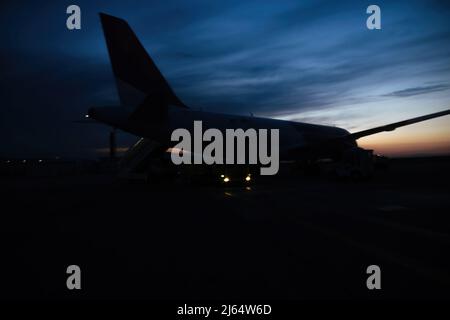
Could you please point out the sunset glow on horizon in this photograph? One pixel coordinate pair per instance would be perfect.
(431, 138)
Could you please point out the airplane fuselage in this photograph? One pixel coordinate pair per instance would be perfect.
(296, 138)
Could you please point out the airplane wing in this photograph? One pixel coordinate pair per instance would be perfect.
(327, 144)
(395, 125)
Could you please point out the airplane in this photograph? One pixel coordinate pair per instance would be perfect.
(150, 109)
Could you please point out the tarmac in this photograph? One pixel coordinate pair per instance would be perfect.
(292, 238)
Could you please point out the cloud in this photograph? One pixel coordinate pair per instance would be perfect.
(281, 58)
(417, 90)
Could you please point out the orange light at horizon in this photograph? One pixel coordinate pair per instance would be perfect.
(427, 138)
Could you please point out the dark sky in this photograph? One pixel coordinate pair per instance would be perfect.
(299, 60)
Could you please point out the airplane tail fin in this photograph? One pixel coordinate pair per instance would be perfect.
(137, 77)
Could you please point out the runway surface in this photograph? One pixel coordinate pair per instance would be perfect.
(291, 238)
